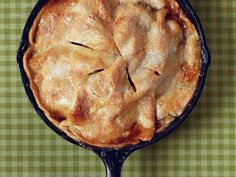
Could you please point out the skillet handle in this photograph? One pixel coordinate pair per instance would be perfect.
(113, 160)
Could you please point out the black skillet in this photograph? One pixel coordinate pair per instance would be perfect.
(113, 159)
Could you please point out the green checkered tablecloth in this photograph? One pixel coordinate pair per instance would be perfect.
(204, 146)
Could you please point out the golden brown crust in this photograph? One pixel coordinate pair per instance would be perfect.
(112, 73)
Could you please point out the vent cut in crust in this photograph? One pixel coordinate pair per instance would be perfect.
(112, 73)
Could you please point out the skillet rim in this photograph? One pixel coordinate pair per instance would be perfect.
(205, 62)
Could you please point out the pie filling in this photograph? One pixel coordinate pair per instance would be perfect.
(112, 73)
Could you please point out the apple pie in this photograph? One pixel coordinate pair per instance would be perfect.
(112, 73)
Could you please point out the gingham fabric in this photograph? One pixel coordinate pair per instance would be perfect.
(204, 146)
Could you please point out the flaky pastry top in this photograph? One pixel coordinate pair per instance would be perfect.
(112, 73)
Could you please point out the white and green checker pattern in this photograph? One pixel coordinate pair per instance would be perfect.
(204, 146)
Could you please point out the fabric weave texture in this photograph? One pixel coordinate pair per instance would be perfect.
(203, 146)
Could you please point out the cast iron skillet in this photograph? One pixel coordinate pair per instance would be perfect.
(113, 159)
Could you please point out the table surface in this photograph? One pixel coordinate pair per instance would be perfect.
(204, 146)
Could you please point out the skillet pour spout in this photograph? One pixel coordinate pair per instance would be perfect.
(113, 159)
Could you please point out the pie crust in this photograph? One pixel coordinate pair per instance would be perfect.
(112, 73)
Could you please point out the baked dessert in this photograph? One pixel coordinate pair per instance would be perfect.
(112, 73)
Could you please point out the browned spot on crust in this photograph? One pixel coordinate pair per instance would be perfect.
(190, 72)
(57, 117)
(36, 63)
(129, 136)
(38, 79)
(80, 113)
(105, 13)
